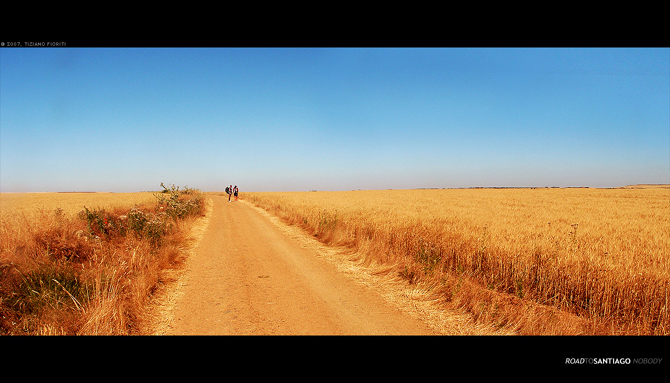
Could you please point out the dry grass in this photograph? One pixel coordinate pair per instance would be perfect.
(70, 270)
(543, 261)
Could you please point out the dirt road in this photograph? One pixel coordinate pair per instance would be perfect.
(247, 277)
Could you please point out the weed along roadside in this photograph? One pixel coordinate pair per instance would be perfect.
(91, 273)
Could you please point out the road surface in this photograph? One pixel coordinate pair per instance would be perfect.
(247, 277)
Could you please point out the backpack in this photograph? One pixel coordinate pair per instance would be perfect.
(227, 190)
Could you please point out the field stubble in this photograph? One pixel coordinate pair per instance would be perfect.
(538, 261)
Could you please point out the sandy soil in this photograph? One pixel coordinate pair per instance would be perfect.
(250, 274)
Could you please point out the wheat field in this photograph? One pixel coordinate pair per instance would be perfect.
(21, 213)
(71, 203)
(539, 260)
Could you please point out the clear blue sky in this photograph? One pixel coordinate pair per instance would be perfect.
(332, 119)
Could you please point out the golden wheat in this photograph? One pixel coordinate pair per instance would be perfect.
(69, 203)
(601, 254)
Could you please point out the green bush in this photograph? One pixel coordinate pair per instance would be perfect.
(180, 204)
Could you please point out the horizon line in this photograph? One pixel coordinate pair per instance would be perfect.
(661, 185)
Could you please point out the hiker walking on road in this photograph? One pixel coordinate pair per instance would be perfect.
(229, 190)
(235, 192)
